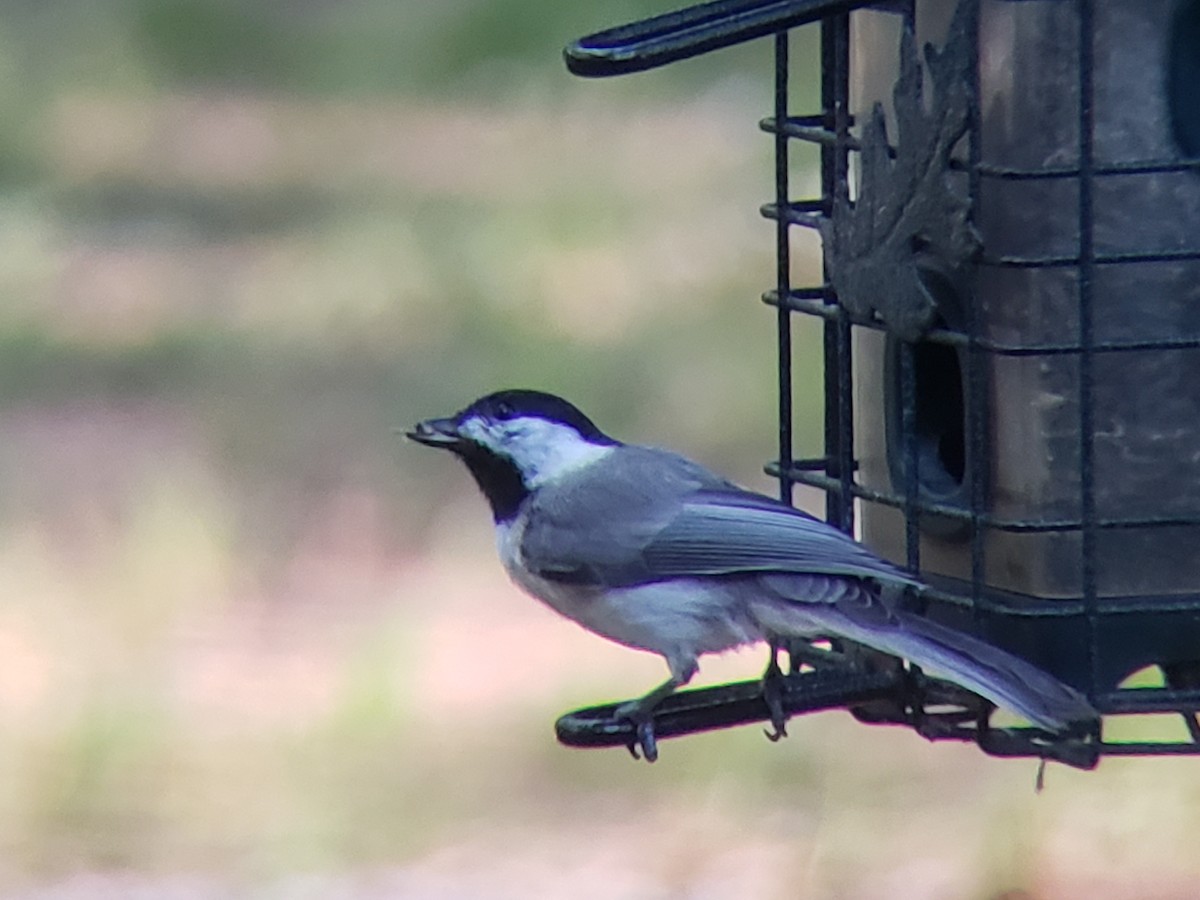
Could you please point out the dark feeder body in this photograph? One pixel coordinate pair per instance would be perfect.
(1010, 216)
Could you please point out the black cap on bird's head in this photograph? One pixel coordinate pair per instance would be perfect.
(520, 404)
(515, 440)
(506, 406)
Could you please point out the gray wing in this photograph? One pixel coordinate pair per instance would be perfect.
(648, 515)
(721, 533)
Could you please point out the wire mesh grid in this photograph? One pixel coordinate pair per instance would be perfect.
(1085, 636)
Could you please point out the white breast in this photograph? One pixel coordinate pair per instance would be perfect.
(678, 618)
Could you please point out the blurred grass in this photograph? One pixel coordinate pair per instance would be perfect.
(252, 644)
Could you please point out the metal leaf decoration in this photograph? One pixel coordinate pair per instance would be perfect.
(908, 217)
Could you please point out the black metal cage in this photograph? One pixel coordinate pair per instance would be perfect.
(1011, 332)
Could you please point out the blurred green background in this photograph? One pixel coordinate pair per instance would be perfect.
(251, 643)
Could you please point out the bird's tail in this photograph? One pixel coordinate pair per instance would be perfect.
(996, 674)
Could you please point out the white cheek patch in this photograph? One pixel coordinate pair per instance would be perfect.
(541, 449)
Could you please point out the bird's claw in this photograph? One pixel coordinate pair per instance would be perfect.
(772, 695)
(644, 739)
(642, 720)
(774, 703)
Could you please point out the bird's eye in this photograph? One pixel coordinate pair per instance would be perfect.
(505, 410)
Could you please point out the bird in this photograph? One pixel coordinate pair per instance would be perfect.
(651, 550)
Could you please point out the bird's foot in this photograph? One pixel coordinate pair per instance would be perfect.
(640, 712)
(772, 693)
(642, 719)
(644, 739)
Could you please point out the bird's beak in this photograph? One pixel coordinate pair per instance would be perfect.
(436, 433)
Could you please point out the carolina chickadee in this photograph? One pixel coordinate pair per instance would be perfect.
(653, 551)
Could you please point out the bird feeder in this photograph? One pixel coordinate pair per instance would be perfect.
(1010, 217)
